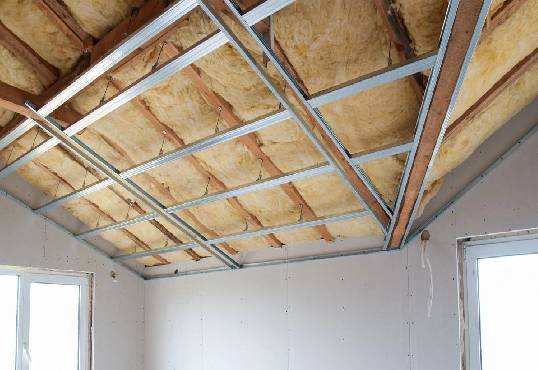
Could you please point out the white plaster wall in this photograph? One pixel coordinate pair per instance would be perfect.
(363, 312)
(27, 240)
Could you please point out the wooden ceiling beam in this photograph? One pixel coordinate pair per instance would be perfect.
(401, 40)
(250, 141)
(65, 21)
(13, 99)
(45, 72)
(466, 19)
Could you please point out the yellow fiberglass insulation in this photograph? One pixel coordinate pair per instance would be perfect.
(328, 43)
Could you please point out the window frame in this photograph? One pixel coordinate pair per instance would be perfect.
(27, 276)
(470, 250)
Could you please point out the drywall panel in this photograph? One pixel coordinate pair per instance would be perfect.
(27, 240)
(363, 312)
(319, 315)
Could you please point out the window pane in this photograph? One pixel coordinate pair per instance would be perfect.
(54, 326)
(508, 294)
(8, 321)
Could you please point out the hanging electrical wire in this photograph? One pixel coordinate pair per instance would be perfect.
(425, 262)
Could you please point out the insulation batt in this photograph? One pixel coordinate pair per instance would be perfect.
(327, 42)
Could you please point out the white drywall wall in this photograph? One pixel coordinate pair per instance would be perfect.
(27, 240)
(362, 312)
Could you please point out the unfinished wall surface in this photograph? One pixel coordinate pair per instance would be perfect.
(27, 240)
(367, 312)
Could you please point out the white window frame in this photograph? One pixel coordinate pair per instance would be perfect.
(470, 250)
(27, 276)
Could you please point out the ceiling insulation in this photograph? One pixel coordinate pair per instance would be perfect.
(327, 43)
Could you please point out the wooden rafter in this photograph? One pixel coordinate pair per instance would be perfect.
(177, 142)
(467, 17)
(13, 99)
(485, 100)
(250, 141)
(43, 97)
(45, 72)
(65, 21)
(401, 40)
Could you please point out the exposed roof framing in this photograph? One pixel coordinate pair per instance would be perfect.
(172, 137)
(111, 54)
(398, 35)
(460, 36)
(249, 234)
(45, 72)
(66, 23)
(251, 143)
(138, 18)
(386, 75)
(326, 143)
(102, 214)
(130, 39)
(249, 188)
(369, 81)
(177, 142)
(106, 168)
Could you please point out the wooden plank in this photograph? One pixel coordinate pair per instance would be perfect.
(485, 100)
(177, 142)
(250, 141)
(466, 19)
(65, 21)
(46, 73)
(399, 36)
(13, 99)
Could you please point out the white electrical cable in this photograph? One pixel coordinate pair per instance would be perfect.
(426, 261)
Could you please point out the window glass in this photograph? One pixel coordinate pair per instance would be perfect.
(508, 297)
(54, 327)
(8, 321)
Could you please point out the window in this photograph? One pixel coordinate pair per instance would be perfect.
(501, 301)
(44, 320)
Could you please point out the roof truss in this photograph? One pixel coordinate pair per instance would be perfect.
(460, 35)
